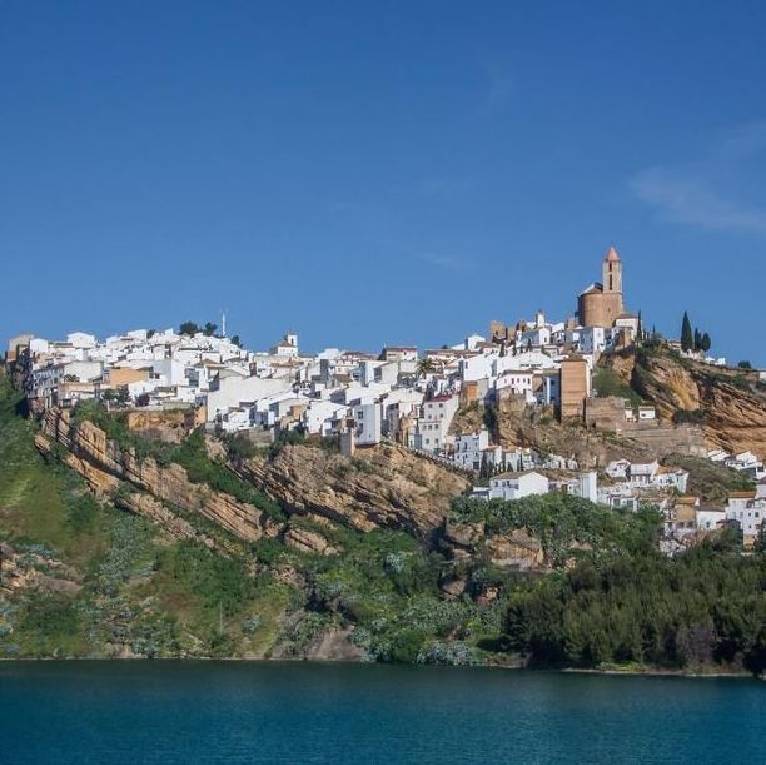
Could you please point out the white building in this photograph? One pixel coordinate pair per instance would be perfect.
(228, 392)
(368, 423)
(748, 511)
(510, 486)
(469, 448)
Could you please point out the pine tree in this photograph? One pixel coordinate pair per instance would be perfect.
(687, 337)
(706, 342)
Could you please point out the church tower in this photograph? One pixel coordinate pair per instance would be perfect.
(611, 272)
(601, 304)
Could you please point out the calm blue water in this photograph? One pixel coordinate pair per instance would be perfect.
(158, 712)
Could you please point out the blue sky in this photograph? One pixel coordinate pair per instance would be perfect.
(389, 172)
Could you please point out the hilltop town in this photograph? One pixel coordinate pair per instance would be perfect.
(173, 493)
(441, 404)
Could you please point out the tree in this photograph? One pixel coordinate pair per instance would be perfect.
(426, 366)
(235, 339)
(744, 364)
(210, 328)
(697, 340)
(706, 342)
(188, 328)
(640, 328)
(687, 337)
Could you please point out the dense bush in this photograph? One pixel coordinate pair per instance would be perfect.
(561, 520)
(705, 607)
(690, 416)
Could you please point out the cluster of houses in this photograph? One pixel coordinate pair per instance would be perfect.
(399, 394)
(629, 485)
(743, 462)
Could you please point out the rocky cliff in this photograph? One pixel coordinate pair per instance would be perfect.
(730, 405)
(382, 486)
(104, 465)
(516, 425)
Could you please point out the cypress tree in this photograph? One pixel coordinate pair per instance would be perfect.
(687, 337)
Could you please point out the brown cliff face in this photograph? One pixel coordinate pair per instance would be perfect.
(516, 549)
(383, 486)
(729, 404)
(103, 465)
(520, 426)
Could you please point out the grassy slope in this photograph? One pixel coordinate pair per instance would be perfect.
(138, 587)
(162, 597)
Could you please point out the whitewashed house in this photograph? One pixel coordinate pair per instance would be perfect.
(510, 486)
(469, 448)
(368, 423)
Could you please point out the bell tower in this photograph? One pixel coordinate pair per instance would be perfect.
(611, 272)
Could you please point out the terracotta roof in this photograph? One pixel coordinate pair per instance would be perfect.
(742, 495)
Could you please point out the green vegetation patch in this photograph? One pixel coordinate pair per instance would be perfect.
(608, 383)
(711, 482)
(560, 521)
(703, 609)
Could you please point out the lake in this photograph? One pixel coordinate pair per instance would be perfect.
(237, 712)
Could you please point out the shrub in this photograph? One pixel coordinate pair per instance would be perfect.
(607, 383)
(691, 416)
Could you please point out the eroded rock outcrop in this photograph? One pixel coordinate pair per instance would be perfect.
(104, 465)
(729, 404)
(383, 486)
(516, 549)
(307, 541)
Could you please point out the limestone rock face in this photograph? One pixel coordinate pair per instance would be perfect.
(383, 486)
(103, 465)
(144, 504)
(308, 541)
(461, 539)
(732, 405)
(516, 549)
(522, 426)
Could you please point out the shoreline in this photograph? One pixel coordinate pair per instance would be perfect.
(612, 671)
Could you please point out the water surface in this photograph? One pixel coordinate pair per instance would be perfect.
(236, 712)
